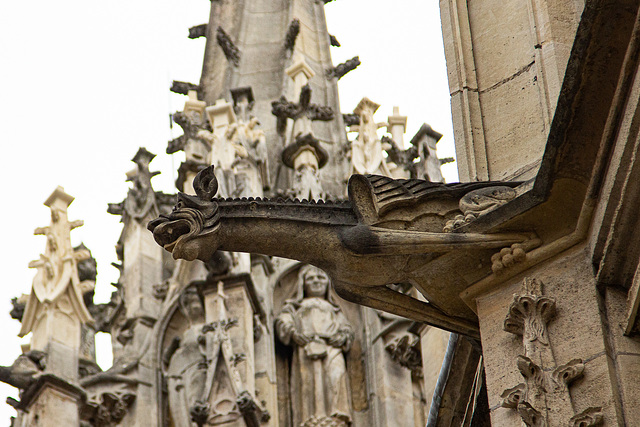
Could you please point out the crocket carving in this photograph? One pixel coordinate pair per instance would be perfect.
(385, 234)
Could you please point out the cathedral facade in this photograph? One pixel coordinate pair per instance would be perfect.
(263, 293)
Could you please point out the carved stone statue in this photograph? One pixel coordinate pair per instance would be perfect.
(250, 165)
(187, 367)
(320, 334)
(366, 150)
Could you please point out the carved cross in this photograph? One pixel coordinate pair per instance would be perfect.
(304, 109)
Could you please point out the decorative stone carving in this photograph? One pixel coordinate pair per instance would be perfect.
(108, 409)
(340, 70)
(198, 31)
(366, 150)
(320, 334)
(25, 369)
(204, 385)
(303, 112)
(306, 156)
(405, 349)
(480, 202)
(292, 35)
(351, 119)
(590, 417)
(529, 314)
(348, 239)
(56, 301)
(18, 305)
(543, 399)
(183, 88)
(231, 52)
(141, 198)
(187, 363)
(161, 289)
(400, 162)
(251, 163)
(333, 41)
(194, 141)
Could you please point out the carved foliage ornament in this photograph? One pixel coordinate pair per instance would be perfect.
(231, 51)
(109, 408)
(542, 389)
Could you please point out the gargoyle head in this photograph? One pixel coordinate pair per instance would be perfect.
(192, 219)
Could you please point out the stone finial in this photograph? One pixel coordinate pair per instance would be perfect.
(56, 286)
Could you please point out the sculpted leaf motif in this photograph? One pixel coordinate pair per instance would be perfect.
(528, 316)
(531, 372)
(530, 415)
(563, 375)
(590, 417)
(512, 396)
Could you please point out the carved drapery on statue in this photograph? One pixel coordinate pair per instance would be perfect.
(238, 149)
(56, 302)
(366, 150)
(320, 335)
(187, 367)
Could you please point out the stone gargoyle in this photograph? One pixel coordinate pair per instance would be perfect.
(388, 230)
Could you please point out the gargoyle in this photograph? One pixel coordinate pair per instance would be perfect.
(386, 234)
(24, 370)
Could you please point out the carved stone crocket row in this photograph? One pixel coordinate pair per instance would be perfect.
(387, 232)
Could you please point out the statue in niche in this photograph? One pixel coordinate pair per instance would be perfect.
(187, 365)
(318, 330)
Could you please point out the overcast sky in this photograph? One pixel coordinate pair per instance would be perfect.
(85, 83)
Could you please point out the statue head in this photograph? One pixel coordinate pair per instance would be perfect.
(191, 305)
(190, 231)
(313, 282)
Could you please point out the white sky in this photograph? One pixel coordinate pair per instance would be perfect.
(85, 83)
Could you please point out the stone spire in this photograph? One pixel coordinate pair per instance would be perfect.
(240, 53)
(54, 315)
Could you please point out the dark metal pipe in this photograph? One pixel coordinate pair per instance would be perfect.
(442, 381)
